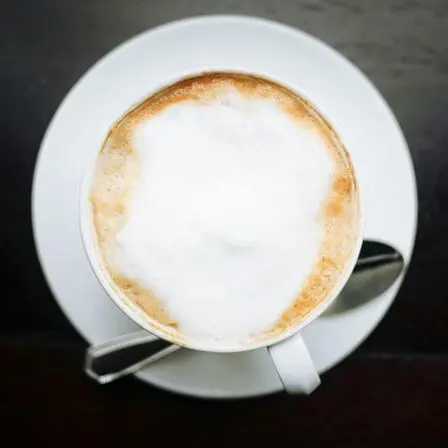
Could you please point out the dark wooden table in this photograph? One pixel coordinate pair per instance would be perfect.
(394, 389)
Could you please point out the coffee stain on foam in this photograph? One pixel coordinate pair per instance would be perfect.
(339, 216)
(118, 160)
(116, 173)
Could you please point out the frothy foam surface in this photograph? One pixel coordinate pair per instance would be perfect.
(223, 223)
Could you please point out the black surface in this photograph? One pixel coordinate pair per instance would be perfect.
(402, 45)
(394, 402)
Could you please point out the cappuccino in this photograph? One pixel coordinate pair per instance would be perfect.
(225, 208)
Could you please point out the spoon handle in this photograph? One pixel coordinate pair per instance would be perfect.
(124, 355)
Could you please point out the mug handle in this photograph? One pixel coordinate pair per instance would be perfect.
(294, 365)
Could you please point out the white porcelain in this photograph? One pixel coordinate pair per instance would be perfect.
(294, 365)
(338, 89)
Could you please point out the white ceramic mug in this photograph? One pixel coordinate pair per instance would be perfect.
(288, 351)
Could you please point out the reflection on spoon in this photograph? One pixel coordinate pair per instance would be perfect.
(377, 268)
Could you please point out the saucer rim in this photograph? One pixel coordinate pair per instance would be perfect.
(198, 20)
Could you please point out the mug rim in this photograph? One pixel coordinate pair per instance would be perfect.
(143, 320)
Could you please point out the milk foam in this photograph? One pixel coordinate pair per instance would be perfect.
(222, 222)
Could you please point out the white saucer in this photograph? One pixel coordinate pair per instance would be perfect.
(124, 76)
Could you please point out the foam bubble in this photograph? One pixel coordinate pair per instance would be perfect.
(222, 222)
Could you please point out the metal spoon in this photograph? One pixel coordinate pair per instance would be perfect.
(378, 266)
(125, 355)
